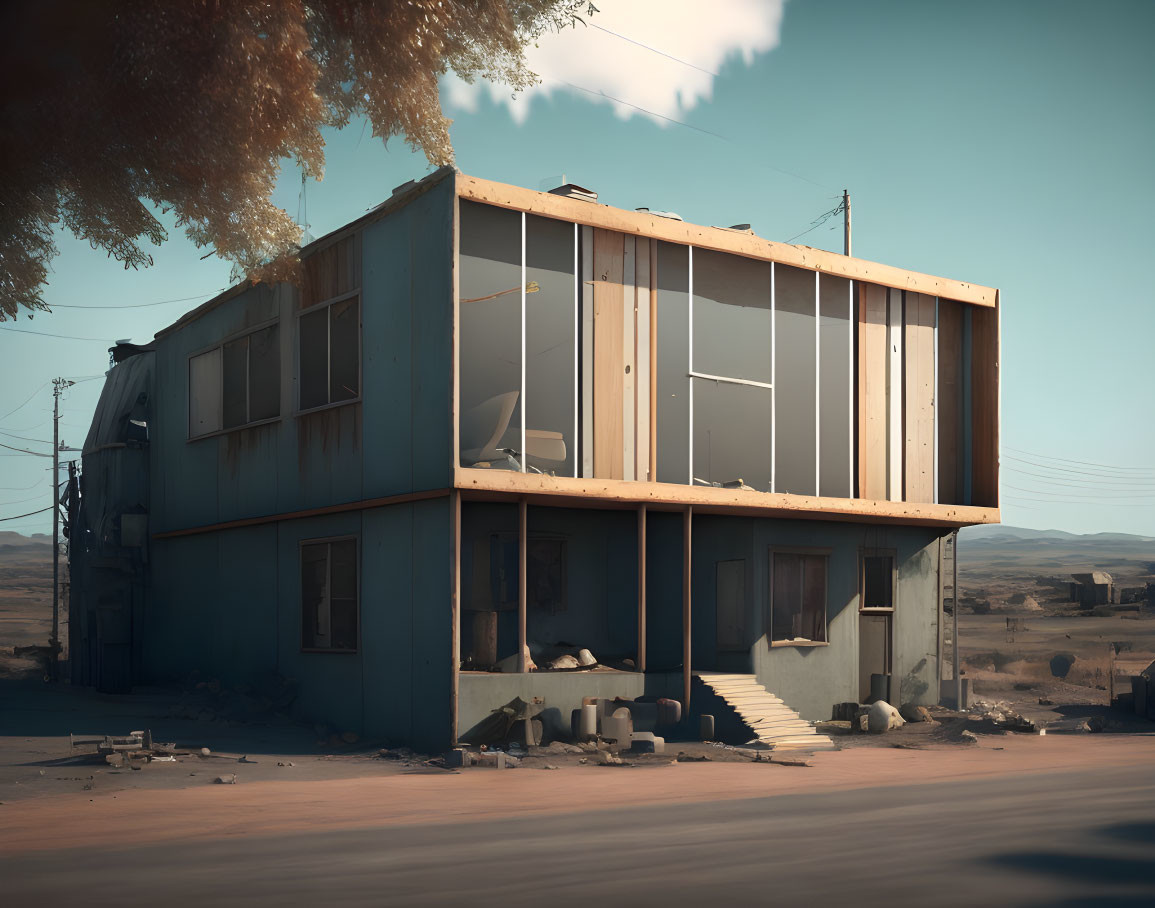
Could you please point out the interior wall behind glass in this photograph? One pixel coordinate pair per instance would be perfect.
(731, 316)
(731, 433)
(549, 346)
(795, 351)
(673, 363)
(490, 331)
(835, 392)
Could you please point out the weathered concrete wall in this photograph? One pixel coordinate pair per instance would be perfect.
(229, 603)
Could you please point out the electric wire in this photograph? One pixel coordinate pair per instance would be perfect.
(183, 299)
(29, 514)
(654, 50)
(103, 340)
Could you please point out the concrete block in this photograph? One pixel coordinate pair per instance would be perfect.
(619, 726)
(646, 742)
(706, 728)
(457, 758)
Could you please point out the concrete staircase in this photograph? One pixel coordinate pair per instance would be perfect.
(770, 720)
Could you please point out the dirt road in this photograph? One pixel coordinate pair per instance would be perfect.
(1014, 820)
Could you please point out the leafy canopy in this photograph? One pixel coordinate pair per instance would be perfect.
(192, 105)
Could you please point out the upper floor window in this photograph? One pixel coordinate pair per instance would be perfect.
(235, 384)
(329, 352)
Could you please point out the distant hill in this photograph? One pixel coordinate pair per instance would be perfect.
(1005, 553)
(18, 547)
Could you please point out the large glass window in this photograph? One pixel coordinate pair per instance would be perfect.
(673, 363)
(490, 293)
(835, 393)
(732, 314)
(499, 320)
(550, 351)
(731, 435)
(795, 352)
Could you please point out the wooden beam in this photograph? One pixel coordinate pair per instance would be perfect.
(363, 505)
(564, 491)
(641, 224)
(687, 671)
(641, 666)
(522, 588)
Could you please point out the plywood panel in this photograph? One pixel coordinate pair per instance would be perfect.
(609, 359)
(629, 351)
(919, 398)
(871, 392)
(985, 407)
(642, 357)
(948, 401)
(331, 271)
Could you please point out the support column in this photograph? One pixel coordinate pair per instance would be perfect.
(687, 519)
(522, 533)
(455, 607)
(641, 665)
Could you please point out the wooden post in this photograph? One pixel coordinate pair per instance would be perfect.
(686, 549)
(522, 532)
(846, 222)
(653, 471)
(641, 666)
(455, 608)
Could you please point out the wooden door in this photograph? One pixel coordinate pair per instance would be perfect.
(609, 359)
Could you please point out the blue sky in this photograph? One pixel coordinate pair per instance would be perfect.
(1008, 144)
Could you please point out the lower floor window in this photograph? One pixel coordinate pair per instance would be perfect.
(798, 597)
(329, 595)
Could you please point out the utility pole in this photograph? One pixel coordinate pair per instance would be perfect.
(955, 657)
(846, 221)
(58, 386)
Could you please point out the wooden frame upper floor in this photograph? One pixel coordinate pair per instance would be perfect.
(930, 460)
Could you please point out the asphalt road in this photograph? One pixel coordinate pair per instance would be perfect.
(1068, 838)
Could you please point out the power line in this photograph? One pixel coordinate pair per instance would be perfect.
(655, 50)
(29, 514)
(34, 485)
(28, 401)
(1083, 463)
(42, 441)
(104, 340)
(602, 94)
(22, 451)
(1107, 484)
(183, 299)
(818, 222)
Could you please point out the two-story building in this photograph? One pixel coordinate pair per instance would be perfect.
(494, 426)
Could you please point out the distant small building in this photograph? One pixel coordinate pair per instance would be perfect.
(1095, 588)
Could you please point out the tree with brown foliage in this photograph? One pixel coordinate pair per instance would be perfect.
(111, 108)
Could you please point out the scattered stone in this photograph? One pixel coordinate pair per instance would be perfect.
(227, 779)
(565, 661)
(968, 737)
(883, 717)
(862, 723)
(284, 763)
(585, 657)
(205, 752)
(560, 747)
(912, 713)
(116, 760)
(550, 766)
(605, 758)
(1043, 701)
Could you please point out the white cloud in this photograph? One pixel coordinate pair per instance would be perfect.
(705, 35)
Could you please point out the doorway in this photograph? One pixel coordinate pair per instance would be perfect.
(877, 583)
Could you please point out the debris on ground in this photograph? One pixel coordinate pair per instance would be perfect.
(227, 779)
(883, 717)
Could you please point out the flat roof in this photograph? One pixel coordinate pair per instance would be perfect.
(644, 224)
